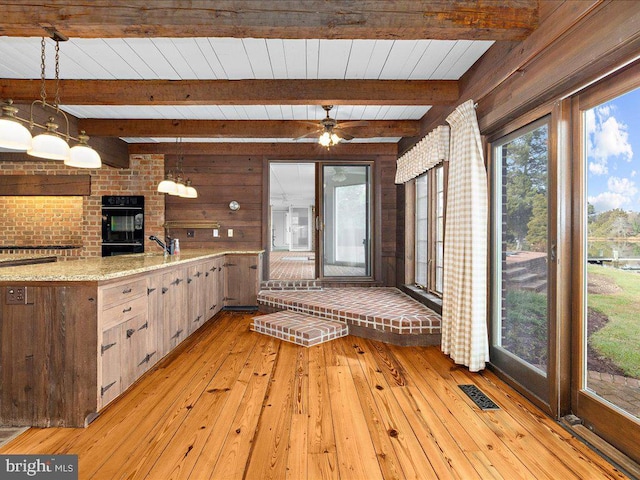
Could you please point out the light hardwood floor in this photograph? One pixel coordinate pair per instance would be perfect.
(231, 403)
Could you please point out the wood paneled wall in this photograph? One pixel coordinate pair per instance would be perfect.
(220, 179)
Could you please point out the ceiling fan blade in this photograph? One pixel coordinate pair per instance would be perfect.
(307, 135)
(355, 123)
(346, 137)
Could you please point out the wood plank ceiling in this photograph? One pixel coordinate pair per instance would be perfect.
(252, 71)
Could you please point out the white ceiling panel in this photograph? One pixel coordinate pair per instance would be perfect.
(334, 56)
(249, 112)
(237, 59)
(260, 57)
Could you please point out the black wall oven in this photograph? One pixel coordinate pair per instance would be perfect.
(122, 225)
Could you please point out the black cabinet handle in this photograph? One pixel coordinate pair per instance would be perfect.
(197, 319)
(198, 274)
(206, 274)
(149, 290)
(164, 290)
(177, 281)
(126, 310)
(212, 306)
(212, 269)
(189, 280)
(253, 267)
(177, 333)
(143, 326)
(106, 387)
(104, 348)
(128, 290)
(130, 332)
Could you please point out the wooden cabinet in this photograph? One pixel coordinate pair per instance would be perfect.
(155, 315)
(175, 313)
(71, 347)
(242, 275)
(196, 293)
(110, 360)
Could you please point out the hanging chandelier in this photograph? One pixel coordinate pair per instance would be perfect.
(50, 144)
(176, 185)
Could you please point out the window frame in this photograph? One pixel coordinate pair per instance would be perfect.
(433, 229)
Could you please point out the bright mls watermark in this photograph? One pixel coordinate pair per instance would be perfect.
(52, 467)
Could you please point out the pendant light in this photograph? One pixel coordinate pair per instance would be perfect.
(178, 186)
(50, 144)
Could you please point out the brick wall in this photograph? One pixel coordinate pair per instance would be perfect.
(32, 221)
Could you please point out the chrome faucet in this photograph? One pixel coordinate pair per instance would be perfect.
(164, 247)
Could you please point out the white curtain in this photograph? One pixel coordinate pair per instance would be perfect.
(464, 296)
(428, 152)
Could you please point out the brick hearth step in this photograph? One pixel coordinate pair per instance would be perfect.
(298, 328)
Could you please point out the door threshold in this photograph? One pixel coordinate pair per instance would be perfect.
(603, 448)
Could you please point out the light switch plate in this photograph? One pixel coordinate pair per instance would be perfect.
(230, 232)
(216, 232)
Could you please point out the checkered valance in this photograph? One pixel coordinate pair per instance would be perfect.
(428, 152)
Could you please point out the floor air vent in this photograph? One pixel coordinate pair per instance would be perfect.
(479, 398)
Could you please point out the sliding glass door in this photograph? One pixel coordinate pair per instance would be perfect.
(345, 223)
(607, 274)
(522, 245)
(320, 221)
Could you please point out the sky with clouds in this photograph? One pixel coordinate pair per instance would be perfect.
(613, 153)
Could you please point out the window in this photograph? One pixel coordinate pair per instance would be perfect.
(429, 229)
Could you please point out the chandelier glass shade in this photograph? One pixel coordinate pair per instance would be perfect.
(167, 185)
(13, 135)
(329, 139)
(49, 145)
(82, 155)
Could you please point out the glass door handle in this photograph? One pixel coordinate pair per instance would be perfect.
(318, 223)
(553, 251)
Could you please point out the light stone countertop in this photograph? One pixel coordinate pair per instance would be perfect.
(106, 268)
(12, 257)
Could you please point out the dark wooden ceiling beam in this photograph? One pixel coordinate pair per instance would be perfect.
(238, 92)
(269, 150)
(400, 19)
(99, 127)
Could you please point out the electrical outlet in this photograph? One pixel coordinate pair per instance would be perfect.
(17, 296)
(191, 233)
(230, 232)
(216, 232)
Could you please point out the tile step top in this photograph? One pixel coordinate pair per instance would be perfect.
(299, 328)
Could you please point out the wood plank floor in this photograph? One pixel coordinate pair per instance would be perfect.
(232, 403)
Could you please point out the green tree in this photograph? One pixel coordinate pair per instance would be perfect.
(525, 169)
(537, 226)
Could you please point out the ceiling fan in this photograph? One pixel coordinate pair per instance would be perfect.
(329, 129)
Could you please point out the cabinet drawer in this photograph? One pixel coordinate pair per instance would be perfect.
(122, 292)
(124, 311)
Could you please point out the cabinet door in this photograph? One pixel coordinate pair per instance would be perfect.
(241, 273)
(134, 353)
(196, 296)
(174, 288)
(155, 318)
(110, 352)
(210, 289)
(220, 284)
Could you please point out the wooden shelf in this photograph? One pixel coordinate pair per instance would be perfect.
(191, 224)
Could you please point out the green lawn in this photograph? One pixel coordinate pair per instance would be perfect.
(619, 340)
